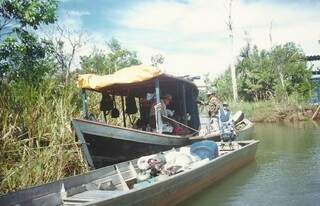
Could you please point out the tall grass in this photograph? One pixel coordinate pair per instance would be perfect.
(36, 141)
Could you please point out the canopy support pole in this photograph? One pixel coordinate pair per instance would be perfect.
(85, 111)
(123, 112)
(158, 108)
(184, 106)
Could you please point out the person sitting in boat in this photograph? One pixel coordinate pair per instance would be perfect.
(165, 101)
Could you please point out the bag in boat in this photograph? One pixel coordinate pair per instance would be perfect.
(106, 103)
(115, 112)
(131, 106)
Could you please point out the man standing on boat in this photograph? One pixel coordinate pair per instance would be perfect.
(213, 103)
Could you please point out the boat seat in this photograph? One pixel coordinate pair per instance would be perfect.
(91, 195)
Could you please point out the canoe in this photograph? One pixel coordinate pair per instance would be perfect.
(104, 145)
(115, 184)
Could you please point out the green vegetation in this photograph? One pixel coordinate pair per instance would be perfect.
(118, 58)
(272, 84)
(274, 111)
(264, 75)
(37, 144)
(38, 100)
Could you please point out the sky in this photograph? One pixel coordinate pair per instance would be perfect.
(192, 35)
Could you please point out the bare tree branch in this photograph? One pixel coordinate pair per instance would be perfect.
(67, 44)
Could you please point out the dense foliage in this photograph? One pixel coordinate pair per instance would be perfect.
(36, 104)
(116, 59)
(22, 55)
(261, 74)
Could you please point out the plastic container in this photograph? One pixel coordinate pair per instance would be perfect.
(205, 149)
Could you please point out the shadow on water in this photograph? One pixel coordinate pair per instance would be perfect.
(286, 170)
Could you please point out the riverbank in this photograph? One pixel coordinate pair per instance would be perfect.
(272, 111)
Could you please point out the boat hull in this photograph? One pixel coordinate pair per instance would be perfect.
(184, 185)
(105, 145)
(169, 191)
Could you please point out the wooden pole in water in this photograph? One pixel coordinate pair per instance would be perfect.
(316, 112)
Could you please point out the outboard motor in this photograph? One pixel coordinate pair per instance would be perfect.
(226, 125)
(237, 117)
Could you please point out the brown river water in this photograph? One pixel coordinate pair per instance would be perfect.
(286, 170)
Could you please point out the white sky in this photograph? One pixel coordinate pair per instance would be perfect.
(193, 36)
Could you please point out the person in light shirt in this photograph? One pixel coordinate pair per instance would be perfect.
(165, 101)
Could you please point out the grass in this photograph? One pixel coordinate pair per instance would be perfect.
(274, 111)
(36, 142)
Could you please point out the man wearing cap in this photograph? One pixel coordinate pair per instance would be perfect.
(213, 103)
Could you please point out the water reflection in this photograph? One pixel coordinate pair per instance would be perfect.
(286, 171)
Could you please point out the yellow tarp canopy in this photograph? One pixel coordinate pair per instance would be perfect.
(133, 74)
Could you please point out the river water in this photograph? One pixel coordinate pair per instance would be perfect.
(286, 170)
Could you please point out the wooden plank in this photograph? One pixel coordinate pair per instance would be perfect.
(133, 170)
(123, 182)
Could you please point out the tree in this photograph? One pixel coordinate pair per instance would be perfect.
(232, 66)
(22, 55)
(66, 45)
(95, 63)
(25, 58)
(21, 14)
(157, 59)
(264, 74)
(116, 59)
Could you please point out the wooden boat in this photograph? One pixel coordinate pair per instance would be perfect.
(104, 144)
(115, 184)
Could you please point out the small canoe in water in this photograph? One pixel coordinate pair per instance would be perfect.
(117, 184)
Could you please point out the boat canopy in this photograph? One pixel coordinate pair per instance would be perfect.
(129, 75)
(136, 80)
